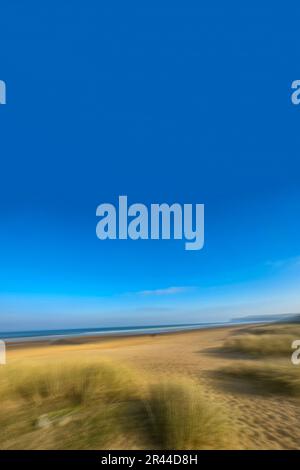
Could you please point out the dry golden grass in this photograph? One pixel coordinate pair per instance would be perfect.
(181, 418)
(264, 340)
(275, 329)
(94, 405)
(261, 418)
(74, 383)
(278, 379)
(260, 345)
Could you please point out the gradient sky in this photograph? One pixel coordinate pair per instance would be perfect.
(183, 102)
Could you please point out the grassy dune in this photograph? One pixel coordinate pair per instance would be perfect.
(94, 405)
(175, 391)
(181, 418)
(270, 340)
(270, 345)
(275, 329)
(262, 345)
(277, 379)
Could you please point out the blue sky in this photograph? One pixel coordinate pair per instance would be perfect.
(163, 102)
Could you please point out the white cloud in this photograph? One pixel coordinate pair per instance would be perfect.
(166, 291)
(280, 263)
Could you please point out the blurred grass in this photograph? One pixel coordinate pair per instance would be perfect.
(72, 383)
(279, 379)
(260, 345)
(100, 405)
(263, 340)
(275, 329)
(181, 418)
(271, 346)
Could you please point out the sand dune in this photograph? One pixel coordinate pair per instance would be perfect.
(264, 421)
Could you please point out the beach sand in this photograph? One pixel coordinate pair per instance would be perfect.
(262, 421)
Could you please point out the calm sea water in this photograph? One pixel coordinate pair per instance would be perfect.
(38, 335)
(33, 335)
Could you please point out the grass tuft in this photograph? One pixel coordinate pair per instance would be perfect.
(99, 405)
(181, 418)
(260, 345)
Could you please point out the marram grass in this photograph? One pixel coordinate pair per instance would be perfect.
(100, 405)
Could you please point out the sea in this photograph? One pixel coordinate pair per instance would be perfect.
(42, 335)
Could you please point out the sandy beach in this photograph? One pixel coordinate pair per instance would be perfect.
(262, 421)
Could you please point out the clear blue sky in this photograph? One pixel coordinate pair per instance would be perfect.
(183, 102)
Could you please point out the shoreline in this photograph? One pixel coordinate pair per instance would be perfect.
(86, 339)
(267, 420)
(52, 335)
